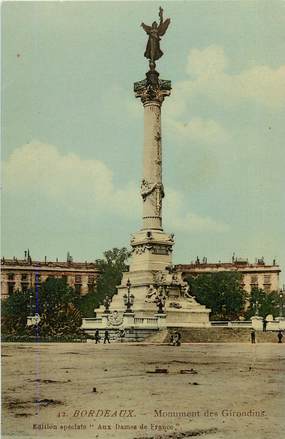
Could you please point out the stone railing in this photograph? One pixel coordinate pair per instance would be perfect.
(145, 321)
(127, 320)
(159, 321)
(271, 325)
(90, 323)
(231, 324)
(256, 322)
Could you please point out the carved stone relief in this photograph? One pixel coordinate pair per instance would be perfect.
(115, 319)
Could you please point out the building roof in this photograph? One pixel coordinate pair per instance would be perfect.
(236, 265)
(29, 264)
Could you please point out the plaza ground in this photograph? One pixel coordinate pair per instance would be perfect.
(83, 390)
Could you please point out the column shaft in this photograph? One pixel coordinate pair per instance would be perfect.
(152, 189)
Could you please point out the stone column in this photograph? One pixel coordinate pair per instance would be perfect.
(17, 282)
(152, 92)
(4, 285)
(152, 188)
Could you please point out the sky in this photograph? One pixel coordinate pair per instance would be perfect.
(72, 130)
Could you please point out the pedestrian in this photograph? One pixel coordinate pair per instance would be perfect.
(178, 342)
(280, 336)
(264, 324)
(106, 336)
(122, 335)
(97, 336)
(176, 338)
(252, 335)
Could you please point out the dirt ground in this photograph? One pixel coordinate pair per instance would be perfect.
(85, 390)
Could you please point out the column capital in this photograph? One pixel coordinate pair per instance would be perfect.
(152, 89)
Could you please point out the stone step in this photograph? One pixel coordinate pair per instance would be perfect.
(222, 335)
(161, 336)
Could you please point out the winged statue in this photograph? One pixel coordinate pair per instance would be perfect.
(154, 32)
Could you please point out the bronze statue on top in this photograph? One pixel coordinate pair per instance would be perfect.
(155, 31)
(153, 88)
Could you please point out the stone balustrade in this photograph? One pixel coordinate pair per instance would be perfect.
(159, 321)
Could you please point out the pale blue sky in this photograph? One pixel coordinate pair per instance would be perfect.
(73, 131)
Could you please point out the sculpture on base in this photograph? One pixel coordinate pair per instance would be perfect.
(155, 31)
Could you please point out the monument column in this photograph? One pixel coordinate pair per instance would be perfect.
(154, 282)
(152, 91)
(152, 171)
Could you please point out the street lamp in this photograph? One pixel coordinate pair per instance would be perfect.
(160, 301)
(107, 303)
(31, 296)
(33, 317)
(281, 303)
(129, 298)
(31, 306)
(256, 308)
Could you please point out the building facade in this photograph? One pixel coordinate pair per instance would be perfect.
(22, 274)
(257, 275)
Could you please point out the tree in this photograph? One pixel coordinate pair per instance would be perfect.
(54, 301)
(222, 292)
(267, 303)
(57, 305)
(111, 267)
(14, 312)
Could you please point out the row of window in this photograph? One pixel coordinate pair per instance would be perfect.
(91, 278)
(25, 286)
(25, 282)
(78, 278)
(11, 287)
(266, 279)
(11, 276)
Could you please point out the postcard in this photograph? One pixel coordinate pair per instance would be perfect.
(142, 219)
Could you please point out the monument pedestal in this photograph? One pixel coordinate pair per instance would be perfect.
(152, 276)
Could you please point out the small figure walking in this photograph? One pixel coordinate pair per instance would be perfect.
(252, 336)
(264, 324)
(122, 335)
(176, 339)
(280, 336)
(97, 336)
(106, 336)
